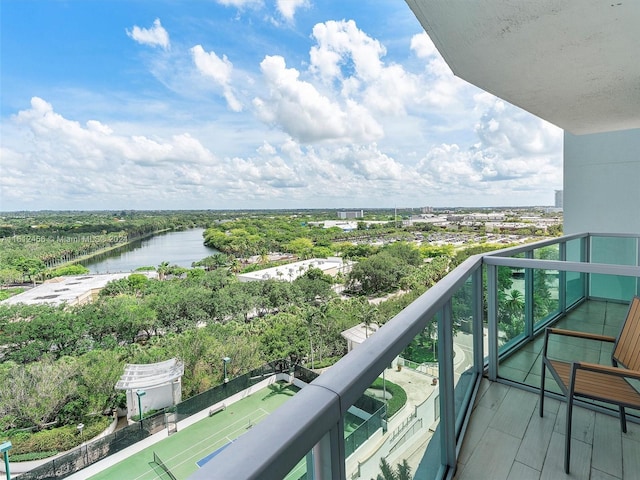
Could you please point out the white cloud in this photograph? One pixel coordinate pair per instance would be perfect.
(422, 45)
(340, 43)
(344, 126)
(218, 69)
(240, 3)
(287, 8)
(154, 36)
(69, 160)
(514, 152)
(306, 114)
(349, 57)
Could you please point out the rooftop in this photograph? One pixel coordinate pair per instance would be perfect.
(70, 290)
(291, 271)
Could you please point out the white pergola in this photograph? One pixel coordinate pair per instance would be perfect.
(152, 386)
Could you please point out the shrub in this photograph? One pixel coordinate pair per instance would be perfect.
(325, 362)
(58, 439)
(398, 395)
(28, 457)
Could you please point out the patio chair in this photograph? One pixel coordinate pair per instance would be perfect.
(584, 380)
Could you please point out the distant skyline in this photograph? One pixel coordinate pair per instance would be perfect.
(251, 104)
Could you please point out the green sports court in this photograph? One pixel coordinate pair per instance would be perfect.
(181, 451)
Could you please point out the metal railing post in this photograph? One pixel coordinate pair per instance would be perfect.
(447, 393)
(492, 314)
(477, 322)
(529, 288)
(562, 279)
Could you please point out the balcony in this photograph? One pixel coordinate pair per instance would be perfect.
(507, 439)
(480, 419)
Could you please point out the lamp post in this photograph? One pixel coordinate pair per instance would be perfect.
(80, 427)
(140, 393)
(225, 360)
(4, 448)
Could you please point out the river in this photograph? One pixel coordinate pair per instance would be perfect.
(178, 248)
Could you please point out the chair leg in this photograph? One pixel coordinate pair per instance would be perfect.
(567, 440)
(623, 420)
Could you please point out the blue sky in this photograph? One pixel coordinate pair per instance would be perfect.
(171, 104)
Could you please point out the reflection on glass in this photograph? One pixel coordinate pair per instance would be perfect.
(575, 281)
(616, 251)
(511, 304)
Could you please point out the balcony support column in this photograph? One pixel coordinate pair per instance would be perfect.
(492, 313)
(447, 393)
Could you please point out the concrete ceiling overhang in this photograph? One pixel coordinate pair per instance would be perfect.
(574, 63)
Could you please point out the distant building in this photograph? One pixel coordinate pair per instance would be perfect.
(290, 271)
(426, 210)
(559, 199)
(351, 214)
(71, 290)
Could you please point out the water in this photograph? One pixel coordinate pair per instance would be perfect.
(178, 248)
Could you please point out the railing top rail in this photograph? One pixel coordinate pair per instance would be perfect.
(619, 235)
(508, 252)
(565, 266)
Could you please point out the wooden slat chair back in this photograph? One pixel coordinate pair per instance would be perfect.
(609, 384)
(627, 346)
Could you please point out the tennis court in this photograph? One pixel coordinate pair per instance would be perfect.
(182, 451)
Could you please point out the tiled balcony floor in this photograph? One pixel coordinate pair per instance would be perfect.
(507, 439)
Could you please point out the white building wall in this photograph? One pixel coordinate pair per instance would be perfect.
(602, 182)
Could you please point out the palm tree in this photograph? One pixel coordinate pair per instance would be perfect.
(401, 472)
(514, 303)
(220, 260)
(162, 270)
(235, 265)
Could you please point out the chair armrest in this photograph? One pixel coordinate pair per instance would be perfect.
(596, 367)
(575, 333)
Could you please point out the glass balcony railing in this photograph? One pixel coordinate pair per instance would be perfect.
(482, 319)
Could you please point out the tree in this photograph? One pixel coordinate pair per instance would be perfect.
(315, 286)
(9, 276)
(367, 315)
(162, 270)
(38, 391)
(406, 252)
(284, 336)
(30, 267)
(99, 370)
(402, 471)
(302, 247)
(75, 269)
(379, 273)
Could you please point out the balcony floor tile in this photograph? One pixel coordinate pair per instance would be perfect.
(533, 447)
